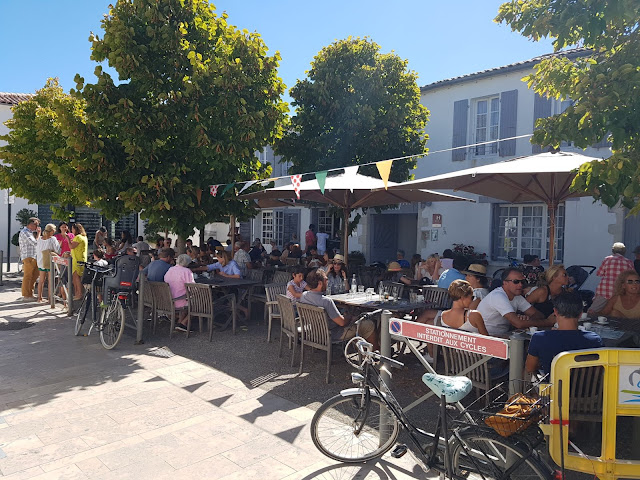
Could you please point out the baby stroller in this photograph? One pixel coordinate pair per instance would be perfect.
(578, 275)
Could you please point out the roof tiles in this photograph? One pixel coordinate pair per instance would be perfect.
(13, 98)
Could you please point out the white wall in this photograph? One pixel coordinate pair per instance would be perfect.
(9, 226)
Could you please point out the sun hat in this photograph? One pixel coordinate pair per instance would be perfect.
(476, 269)
(394, 267)
(337, 258)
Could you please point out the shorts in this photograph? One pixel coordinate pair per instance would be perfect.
(366, 329)
(44, 269)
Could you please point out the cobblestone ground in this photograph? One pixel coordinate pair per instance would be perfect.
(168, 409)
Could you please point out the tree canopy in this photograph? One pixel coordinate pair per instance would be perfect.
(30, 160)
(605, 86)
(194, 99)
(356, 105)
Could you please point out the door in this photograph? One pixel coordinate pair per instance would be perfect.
(291, 224)
(384, 241)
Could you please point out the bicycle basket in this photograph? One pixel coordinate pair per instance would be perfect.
(514, 415)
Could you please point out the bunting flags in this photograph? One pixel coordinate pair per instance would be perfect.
(247, 185)
(384, 169)
(213, 190)
(296, 180)
(351, 171)
(227, 187)
(321, 177)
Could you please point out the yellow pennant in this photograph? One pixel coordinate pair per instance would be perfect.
(384, 168)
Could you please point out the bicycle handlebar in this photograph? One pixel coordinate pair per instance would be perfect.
(365, 347)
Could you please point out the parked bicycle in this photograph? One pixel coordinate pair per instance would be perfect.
(363, 423)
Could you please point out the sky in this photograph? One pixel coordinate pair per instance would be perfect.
(440, 39)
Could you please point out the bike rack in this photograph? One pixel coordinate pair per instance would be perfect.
(56, 283)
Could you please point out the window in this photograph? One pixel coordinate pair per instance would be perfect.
(522, 229)
(272, 226)
(326, 221)
(487, 125)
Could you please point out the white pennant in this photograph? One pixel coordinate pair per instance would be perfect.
(247, 185)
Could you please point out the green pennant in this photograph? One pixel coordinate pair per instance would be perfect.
(321, 177)
(228, 187)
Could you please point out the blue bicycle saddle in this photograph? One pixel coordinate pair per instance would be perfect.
(454, 389)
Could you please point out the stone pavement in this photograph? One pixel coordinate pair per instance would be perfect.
(70, 409)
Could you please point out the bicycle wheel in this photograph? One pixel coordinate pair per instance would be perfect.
(488, 456)
(112, 324)
(81, 314)
(338, 432)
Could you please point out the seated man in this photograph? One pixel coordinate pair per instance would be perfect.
(339, 327)
(498, 309)
(460, 263)
(546, 345)
(401, 260)
(156, 270)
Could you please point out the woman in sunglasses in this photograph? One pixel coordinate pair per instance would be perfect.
(551, 284)
(625, 302)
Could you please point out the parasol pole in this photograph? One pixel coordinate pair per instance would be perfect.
(552, 232)
(345, 235)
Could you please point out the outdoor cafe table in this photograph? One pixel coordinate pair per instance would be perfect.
(373, 302)
(616, 331)
(226, 285)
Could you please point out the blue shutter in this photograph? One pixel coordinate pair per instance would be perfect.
(541, 109)
(460, 116)
(508, 118)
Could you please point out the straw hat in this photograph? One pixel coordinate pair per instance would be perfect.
(476, 269)
(394, 267)
(338, 258)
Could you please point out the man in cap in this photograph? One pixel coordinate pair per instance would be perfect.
(612, 266)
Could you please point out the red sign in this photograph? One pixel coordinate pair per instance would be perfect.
(448, 337)
(436, 220)
(59, 260)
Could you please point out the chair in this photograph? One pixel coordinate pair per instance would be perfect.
(394, 289)
(314, 333)
(281, 277)
(456, 361)
(439, 296)
(148, 301)
(272, 308)
(289, 326)
(199, 304)
(291, 261)
(256, 291)
(163, 302)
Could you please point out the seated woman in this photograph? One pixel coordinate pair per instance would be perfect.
(625, 302)
(476, 275)
(460, 316)
(177, 276)
(425, 273)
(295, 251)
(110, 252)
(551, 284)
(337, 276)
(296, 285)
(226, 267)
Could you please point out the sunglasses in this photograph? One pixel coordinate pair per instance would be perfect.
(517, 282)
(631, 282)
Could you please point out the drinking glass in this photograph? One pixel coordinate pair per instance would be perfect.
(412, 297)
(360, 288)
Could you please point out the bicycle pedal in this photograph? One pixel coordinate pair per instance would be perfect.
(399, 450)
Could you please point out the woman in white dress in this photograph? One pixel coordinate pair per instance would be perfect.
(46, 245)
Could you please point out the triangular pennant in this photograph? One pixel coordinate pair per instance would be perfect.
(213, 190)
(227, 187)
(247, 185)
(384, 169)
(199, 195)
(351, 171)
(321, 177)
(296, 180)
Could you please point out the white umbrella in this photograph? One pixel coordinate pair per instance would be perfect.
(348, 191)
(545, 177)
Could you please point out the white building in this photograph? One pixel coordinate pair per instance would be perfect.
(8, 223)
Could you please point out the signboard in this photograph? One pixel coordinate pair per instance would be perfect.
(629, 385)
(9, 199)
(436, 220)
(60, 260)
(448, 337)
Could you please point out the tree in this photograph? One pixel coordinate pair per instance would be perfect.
(30, 160)
(195, 98)
(604, 86)
(356, 106)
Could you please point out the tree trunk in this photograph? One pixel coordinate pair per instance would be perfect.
(202, 235)
(180, 246)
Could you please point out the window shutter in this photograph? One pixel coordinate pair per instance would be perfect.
(508, 118)
(314, 217)
(460, 116)
(541, 109)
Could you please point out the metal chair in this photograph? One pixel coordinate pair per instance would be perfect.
(314, 333)
(439, 296)
(394, 289)
(256, 292)
(289, 326)
(272, 309)
(291, 261)
(281, 277)
(163, 302)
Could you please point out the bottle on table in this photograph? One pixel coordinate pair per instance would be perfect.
(354, 285)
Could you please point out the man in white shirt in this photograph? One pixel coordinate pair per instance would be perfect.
(322, 238)
(141, 245)
(499, 308)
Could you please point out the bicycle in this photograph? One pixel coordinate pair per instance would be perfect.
(362, 424)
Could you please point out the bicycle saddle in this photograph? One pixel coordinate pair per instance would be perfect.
(454, 389)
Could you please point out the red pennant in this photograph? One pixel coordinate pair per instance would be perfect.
(295, 180)
(213, 190)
